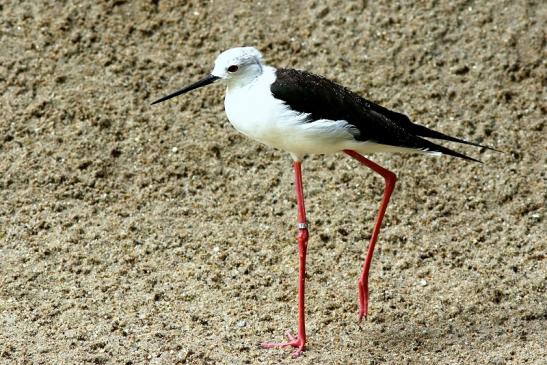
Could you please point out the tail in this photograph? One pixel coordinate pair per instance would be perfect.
(422, 131)
(430, 147)
(419, 130)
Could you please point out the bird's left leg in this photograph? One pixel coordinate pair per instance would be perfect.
(300, 340)
(390, 180)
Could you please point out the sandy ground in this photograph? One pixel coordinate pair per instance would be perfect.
(135, 234)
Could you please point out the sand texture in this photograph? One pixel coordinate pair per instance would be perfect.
(139, 234)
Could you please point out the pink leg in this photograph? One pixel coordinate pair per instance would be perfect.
(390, 180)
(300, 340)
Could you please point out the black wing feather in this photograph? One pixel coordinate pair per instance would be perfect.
(324, 99)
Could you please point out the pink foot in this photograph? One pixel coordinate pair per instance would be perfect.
(298, 342)
(363, 301)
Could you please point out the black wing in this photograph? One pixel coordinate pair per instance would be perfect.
(324, 99)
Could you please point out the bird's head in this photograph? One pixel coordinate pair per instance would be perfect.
(234, 66)
(238, 64)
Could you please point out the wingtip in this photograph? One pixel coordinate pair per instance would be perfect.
(493, 149)
(461, 155)
(441, 150)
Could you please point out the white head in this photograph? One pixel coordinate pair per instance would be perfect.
(236, 65)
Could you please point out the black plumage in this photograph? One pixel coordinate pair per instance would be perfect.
(324, 99)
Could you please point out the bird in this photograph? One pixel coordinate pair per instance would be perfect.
(302, 113)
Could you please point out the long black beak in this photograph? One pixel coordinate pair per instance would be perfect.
(203, 82)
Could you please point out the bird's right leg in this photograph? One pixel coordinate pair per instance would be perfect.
(390, 180)
(300, 340)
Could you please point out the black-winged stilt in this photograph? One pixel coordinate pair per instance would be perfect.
(302, 113)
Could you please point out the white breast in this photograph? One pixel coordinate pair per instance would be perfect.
(253, 111)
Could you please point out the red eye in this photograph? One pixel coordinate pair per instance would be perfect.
(233, 68)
